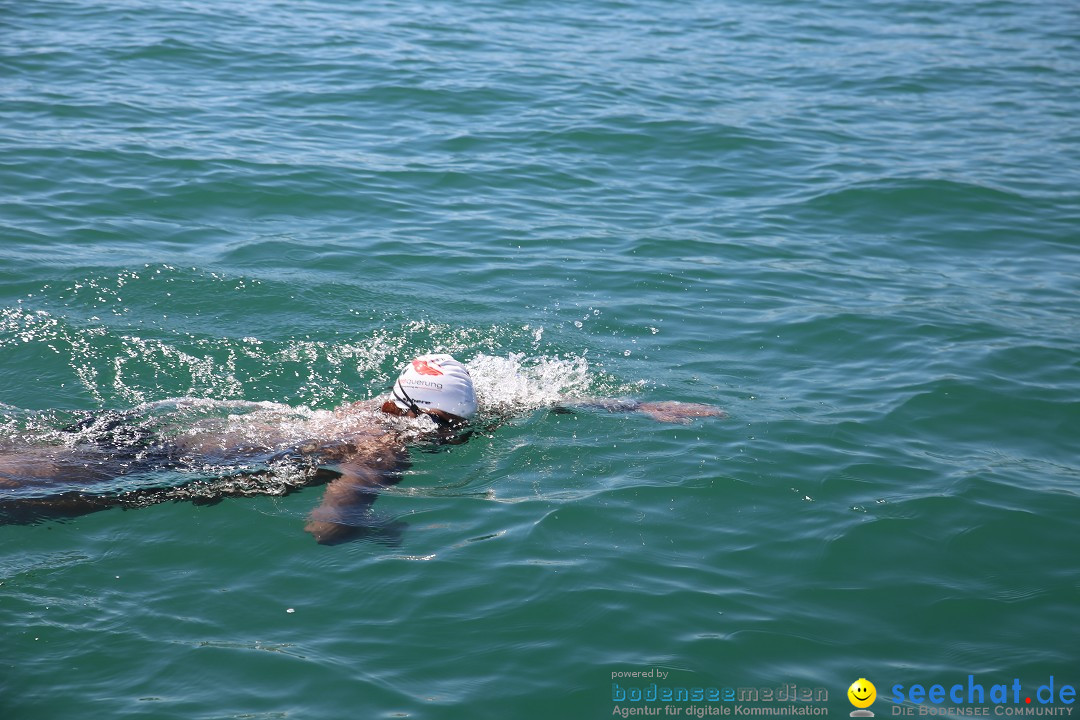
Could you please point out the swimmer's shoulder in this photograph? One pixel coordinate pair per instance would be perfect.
(357, 407)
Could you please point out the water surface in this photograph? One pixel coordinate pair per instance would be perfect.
(852, 225)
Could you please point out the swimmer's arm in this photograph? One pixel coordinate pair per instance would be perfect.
(339, 516)
(671, 411)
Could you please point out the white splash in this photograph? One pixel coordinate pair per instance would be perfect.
(516, 384)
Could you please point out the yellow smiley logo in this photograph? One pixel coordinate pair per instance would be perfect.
(862, 693)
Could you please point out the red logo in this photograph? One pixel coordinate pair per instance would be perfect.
(422, 367)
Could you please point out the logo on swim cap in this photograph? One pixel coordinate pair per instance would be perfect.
(436, 382)
(422, 367)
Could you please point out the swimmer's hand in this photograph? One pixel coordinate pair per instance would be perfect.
(329, 533)
(672, 411)
(374, 529)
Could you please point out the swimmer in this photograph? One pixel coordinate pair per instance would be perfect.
(362, 451)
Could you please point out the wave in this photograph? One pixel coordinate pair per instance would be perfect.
(900, 197)
(110, 340)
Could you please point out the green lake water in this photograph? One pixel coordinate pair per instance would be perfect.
(852, 225)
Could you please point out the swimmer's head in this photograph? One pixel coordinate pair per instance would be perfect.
(434, 385)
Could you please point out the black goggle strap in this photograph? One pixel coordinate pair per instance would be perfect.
(411, 404)
(403, 397)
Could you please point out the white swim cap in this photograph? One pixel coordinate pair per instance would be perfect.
(436, 382)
